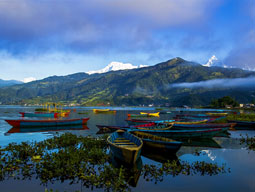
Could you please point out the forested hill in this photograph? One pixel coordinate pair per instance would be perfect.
(146, 85)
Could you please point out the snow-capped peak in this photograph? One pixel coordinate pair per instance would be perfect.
(116, 66)
(211, 61)
(29, 79)
(214, 61)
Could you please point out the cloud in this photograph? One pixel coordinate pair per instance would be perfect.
(95, 25)
(243, 57)
(217, 83)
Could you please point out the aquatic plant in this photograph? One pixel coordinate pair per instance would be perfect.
(86, 160)
(249, 142)
(242, 117)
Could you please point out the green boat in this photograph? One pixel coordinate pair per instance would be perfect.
(181, 134)
(157, 142)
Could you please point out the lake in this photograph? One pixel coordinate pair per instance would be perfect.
(238, 160)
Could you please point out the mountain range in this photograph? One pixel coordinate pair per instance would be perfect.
(5, 83)
(116, 66)
(167, 83)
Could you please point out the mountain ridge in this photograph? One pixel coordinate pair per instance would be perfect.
(141, 86)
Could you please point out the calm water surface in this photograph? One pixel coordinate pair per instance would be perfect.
(227, 150)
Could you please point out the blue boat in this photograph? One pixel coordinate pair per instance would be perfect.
(125, 146)
(39, 114)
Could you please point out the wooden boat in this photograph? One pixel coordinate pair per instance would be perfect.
(150, 114)
(203, 125)
(103, 111)
(46, 123)
(182, 134)
(125, 146)
(145, 121)
(109, 128)
(217, 114)
(244, 124)
(39, 114)
(190, 122)
(157, 142)
(138, 115)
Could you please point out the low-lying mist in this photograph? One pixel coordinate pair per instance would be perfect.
(218, 83)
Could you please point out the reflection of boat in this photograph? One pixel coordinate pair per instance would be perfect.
(132, 171)
(150, 114)
(201, 143)
(156, 142)
(125, 146)
(159, 156)
(46, 129)
(46, 123)
(103, 111)
(39, 114)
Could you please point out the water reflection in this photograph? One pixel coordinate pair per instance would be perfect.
(201, 143)
(131, 172)
(159, 156)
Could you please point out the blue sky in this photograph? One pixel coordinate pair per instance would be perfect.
(40, 38)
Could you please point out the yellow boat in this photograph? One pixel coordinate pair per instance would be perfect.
(103, 111)
(189, 122)
(55, 108)
(217, 114)
(150, 114)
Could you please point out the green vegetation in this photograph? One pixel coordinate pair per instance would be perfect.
(242, 117)
(222, 102)
(85, 160)
(131, 87)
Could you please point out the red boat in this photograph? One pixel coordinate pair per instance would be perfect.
(46, 123)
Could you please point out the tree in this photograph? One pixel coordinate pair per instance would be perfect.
(222, 102)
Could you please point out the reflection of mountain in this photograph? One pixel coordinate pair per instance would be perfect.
(132, 172)
(194, 146)
(45, 129)
(159, 156)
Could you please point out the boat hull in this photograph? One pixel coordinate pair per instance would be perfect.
(39, 114)
(46, 123)
(126, 153)
(158, 143)
(226, 126)
(183, 134)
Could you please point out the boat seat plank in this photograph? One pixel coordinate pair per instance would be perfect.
(123, 145)
(128, 143)
(122, 140)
